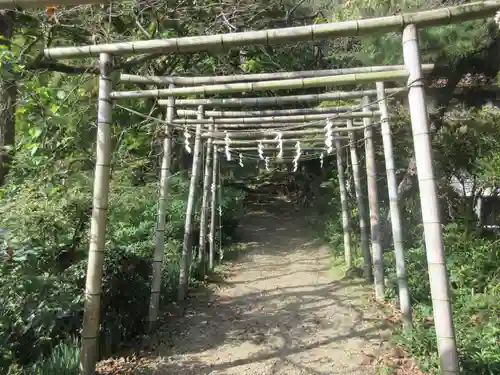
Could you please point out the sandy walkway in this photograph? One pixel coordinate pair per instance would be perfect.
(278, 312)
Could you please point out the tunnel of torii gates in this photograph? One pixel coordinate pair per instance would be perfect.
(217, 130)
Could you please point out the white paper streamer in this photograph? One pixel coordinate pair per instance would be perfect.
(266, 162)
(261, 151)
(298, 152)
(321, 159)
(279, 146)
(329, 136)
(187, 146)
(241, 160)
(227, 140)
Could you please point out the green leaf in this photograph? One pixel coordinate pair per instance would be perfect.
(35, 132)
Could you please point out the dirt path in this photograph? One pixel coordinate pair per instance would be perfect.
(279, 312)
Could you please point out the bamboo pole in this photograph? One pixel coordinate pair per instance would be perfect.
(266, 141)
(346, 227)
(277, 125)
(255, 133)
(90, 331)
(213, 80)
(279, 119)
(369, 26)
(276, 112)
(371, 174)
(159, 254)
(396, 222)
(13, 4)
(284, 133)
(441, 304)
(285, 84)
(188, 227)
(363, 230)
(255, 148)
(282, 100)
(204, 205)
(288, 161)
(213, 207)
(220, 184)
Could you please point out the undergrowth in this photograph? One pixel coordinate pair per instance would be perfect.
(43, 273)
(472, 263)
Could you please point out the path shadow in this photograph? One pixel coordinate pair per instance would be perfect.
(289, 325)
(267, 321)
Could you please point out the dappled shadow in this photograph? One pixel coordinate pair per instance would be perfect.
(265, 328)
(277, 312)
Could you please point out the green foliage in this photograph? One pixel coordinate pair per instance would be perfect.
(9, 64)
(465, 147)
(444, 43)
(41, 286)
(64, 360)
(475, 279)
(46, 204)
(33, 309)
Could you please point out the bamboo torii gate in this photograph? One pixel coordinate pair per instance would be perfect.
(407, 23)
(260, 121)
(372, 196)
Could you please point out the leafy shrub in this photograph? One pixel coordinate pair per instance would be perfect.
(472, 263)
(475, 284)
(33, 310)
(41, 301)
(63, 360)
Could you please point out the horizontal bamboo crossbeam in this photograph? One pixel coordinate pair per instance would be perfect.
(10, 4)
(213, 80)
(286, 84)
(291, 99)
(266, 141)
(281, 100)
(255, 148)
(279, 119)
(264, 133)
(275, 112)
(279, 125)
(273, 160)
(284, 133)
(369, 26)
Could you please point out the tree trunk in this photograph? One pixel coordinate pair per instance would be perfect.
(8, 92)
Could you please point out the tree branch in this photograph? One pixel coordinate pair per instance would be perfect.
(55, 66)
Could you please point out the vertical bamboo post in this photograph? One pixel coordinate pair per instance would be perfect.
(371, 179)
(90, 331)
(188, 226)
(346, 227)
(213, 207)
(159, 253)
(365, 244)
(434, 246)
(204, 204)
(200, 115)
(397, 229)
(219, 199)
